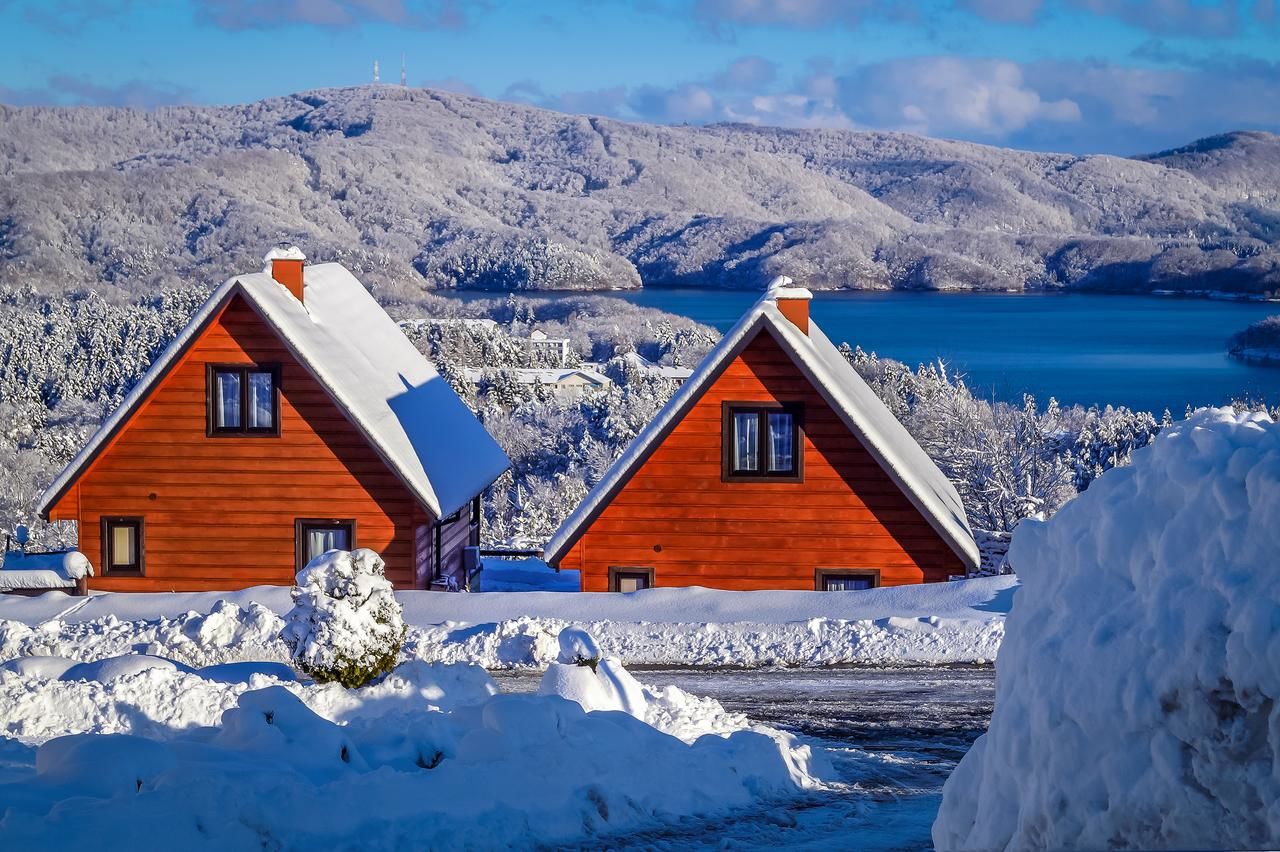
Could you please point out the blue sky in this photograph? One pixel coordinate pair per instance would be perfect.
(1120, 76)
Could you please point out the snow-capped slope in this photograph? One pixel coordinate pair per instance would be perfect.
(1138, 691)
(416, 188)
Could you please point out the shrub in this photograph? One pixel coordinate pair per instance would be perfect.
(346, 625)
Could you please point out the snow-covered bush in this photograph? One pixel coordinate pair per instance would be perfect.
(1138, 697)
(346, 625)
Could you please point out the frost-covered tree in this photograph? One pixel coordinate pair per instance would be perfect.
(346, 625)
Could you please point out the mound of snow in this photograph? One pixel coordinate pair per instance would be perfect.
(933, 623)
(105, 671)
(39, 667)
(1138, 697)
(431, 756)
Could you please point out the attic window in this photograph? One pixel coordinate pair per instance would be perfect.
(762, 441)
(244, 399)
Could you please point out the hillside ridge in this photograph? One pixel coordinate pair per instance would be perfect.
(416, 189)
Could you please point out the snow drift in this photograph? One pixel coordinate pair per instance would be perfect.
(142, 752)
(936, 623)
(1136, 701)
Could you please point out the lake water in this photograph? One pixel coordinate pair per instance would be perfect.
(1146, 352)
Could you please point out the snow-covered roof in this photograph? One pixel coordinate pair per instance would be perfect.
(339, 333)
(663, 370)
(844, 390)
(531, 375)
(58, 570)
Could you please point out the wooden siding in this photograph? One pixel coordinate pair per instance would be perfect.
(676, 514)
(219, 511)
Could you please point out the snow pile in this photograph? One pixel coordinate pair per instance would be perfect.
(346, 624)
(1138, 698)
(431, 756)
(583, 675)
(936, 623)
(228, 632)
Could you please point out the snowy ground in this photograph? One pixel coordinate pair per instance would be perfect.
(138, 752)
(939, 623)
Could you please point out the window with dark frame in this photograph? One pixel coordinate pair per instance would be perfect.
(629, 579)
(314, 536)
(762, 441)
(839, 580)
(244, 399)
(122, 545)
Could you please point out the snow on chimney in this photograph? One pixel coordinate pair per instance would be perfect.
(792, 302)
(285, 265)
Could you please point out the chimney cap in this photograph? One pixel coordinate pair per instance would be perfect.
(284, 251)
(781, 288)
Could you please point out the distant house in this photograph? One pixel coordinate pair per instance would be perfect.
(774, 467)
(563, 382)
(289, 417)
(679, 375)
(553, 351)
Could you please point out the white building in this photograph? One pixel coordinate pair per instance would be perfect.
(567, 383)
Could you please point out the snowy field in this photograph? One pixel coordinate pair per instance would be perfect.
(956, 622)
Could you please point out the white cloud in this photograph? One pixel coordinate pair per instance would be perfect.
(800, 14)
(949, 96)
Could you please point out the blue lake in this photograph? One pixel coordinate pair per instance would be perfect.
(1146, 352)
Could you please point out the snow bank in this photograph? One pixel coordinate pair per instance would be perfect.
(936, 623)
(1136, 701)
(432, 756)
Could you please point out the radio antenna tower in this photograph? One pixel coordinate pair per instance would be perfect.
(375, 70)
(402, 77)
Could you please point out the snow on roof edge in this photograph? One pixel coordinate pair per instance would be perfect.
(948, 521)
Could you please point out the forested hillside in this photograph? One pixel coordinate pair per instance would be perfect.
(416, 189)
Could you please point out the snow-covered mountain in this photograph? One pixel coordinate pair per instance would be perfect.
(415, 188)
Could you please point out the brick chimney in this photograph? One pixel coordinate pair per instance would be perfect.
(792, 302)
(285, 265)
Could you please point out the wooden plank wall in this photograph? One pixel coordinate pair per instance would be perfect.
(219, 512)
(676, 515)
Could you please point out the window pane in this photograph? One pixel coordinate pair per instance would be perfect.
(227, 400)
(323, 539)
(781, 435)
(746, 443)
(847, 584)
(262, 408)
(632, 582)
(123, 546)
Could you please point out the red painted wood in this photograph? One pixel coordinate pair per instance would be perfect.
(677, 515)
(219, 512)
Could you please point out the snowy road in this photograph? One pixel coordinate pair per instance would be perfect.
(893, 735)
